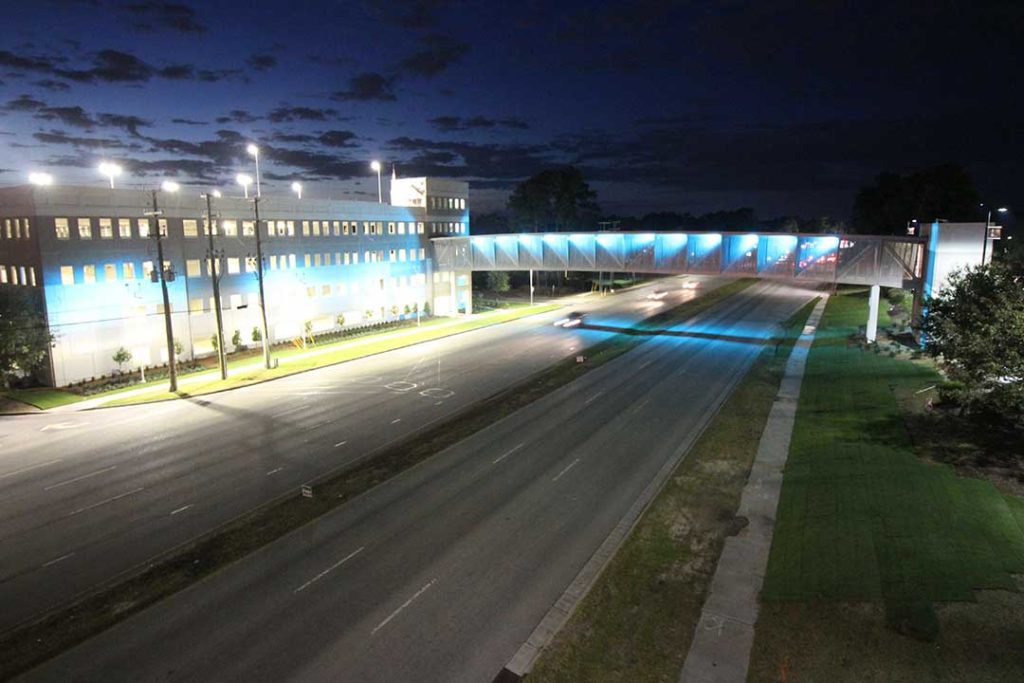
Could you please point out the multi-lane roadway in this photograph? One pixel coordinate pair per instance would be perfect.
(442, 572)
(87, 495)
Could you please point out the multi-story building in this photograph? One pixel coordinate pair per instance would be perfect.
(91, 253)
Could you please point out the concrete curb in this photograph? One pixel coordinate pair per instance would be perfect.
(724, 636)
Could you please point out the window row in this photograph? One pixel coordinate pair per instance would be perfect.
(452, 203)
(451, 226)
(127, 228)
(16, 228)
(18, 275)
(88, 272)
(105, 228)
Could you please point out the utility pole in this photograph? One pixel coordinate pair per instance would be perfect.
(171, 360)
(215, 276)
(259, 276)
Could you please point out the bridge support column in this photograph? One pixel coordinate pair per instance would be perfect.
(872, 328)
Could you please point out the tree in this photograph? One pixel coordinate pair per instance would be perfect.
(178, 348)
(555, 199)
(886, 207)
(340, 320)
(976, 325)
(497, 281)
(213, 342)
(236, 341)
(122, 356)
(257, 336)
(25, 339)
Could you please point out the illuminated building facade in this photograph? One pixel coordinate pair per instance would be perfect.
(91, 253)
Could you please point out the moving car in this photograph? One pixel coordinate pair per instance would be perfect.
(691, 284)
(574, 319)
(657, 295)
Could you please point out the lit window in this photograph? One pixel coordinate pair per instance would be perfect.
(195, 305)
(3, 275)
(392, 255)
(143, 227)
(248, 228)
(234, 265)
(366, 228)
(124, 228)
(60, 228)
(230, 228)
(316, 228)
(89, 274)
(337, 258)
(337, 228)
(193, 268)
(291, 228)
(191, 227)
(325, 290)
(308, 261)
(17, 228)
(147, 270)
(423, 254)
(67, 275)
(162, 222)
(109, 272)
(128, 270)
(28, 229)
(355, 257)
(311, 292)
(316, 260)
(291, 261)
(401, 227)
(273, 261)
(401, 254)
(347, 258)
(250, 264)
(7, 225)
(84, 229)
(419, 227)
(391, 227)
(305, 228)
(211, 265)
(366, 257)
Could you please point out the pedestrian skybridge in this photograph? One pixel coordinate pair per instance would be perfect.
(843, 259)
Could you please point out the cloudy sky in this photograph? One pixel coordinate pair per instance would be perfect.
(787, 107)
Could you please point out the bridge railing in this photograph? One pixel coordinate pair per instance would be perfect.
(853, 259)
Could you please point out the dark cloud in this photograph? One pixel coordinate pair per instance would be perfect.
(24, 103)
(450, 124)
(295, 138)
(21, 63)
(237, 116)
(55, 86)
(366, 87)
(261, 62)
(69, 116)
(337, 138)
(110, 66)
(178, 72)
(57, 137)
(214, 75)
(330, 60)
(154, 16)
(467, 159)
(130, 124)
(437, 54)
(189, 122)
(113, 66)
(282, 114)
(418, 15)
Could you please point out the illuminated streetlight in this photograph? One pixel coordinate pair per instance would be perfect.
(245, 181)
(297, 189)
(216, 193)
(40, 179)
(255, 152)
(170, 186)
(110, 170)
(375, 165)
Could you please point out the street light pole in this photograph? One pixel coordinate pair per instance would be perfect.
(215, 276)
(375, 165)
(255, 152)
(259, 277)
(168, 328)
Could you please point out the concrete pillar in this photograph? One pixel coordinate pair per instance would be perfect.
(453, 293)
(872, 328)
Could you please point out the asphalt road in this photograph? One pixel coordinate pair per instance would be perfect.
(86, 496)
(442, 572)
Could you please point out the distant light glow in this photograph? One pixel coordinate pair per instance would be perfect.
(375, 166)
(170, 186)
(297, 189)
(216, 193)
(253, 150)
(40, 179)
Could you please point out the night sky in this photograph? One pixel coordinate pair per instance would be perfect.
(786, 107)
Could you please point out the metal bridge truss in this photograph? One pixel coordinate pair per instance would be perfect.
(846, 259)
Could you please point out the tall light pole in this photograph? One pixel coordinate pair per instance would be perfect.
(110, 170)
(988, 224)
(375, 165)
(168, 186)
(40, 179)
(215, 276)
(255, 152)
(245, 181)
(297, 189)
(259, 277)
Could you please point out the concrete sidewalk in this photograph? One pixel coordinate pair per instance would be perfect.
(720, 651)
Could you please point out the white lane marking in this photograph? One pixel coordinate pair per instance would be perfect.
(507, 453)
(402, 607)
(104, 502)
(84, 476)
(396, 420)
(645, 364)
(56, 560)
(640, 405)
(274, 471)
(569, 467)
(30, 467)
(62, 425)
(181, 509)
(340, 443)
(439, 403)
(329, 569)
(594, 397)
(290, 411)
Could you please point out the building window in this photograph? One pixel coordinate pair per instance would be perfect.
(234, 265)
(17, 228)
(308, 261)
(195, 306)
(316, 260)
(423, 254)
(89, 274)
(67, 275)
(60, 228)
(3, 275)
(84, 228)
(230, 228)
(28, 229)
(401, 254)
(248, 228)
(213, 265)
(250, 264)
(109, 272)
(392, 255)
(128, 270)
(316, 228)
(273, 261)
(305, 228)
(7, 225)
(366, 257)
(190, 227)
(325, 290)
(147, 270)
(337, 258)
(162, 222)
(391, 227)
(143, 227)
(337, 228)
(291, 228)
(291, 261)
(193, 268)
(419, 227)
(124, 228)
(311, 292)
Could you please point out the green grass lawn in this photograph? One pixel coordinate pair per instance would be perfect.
(43, 398)
(872, 542)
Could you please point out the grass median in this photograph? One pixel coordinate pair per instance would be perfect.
(24, 647)
(884, 566)
(637, 621)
